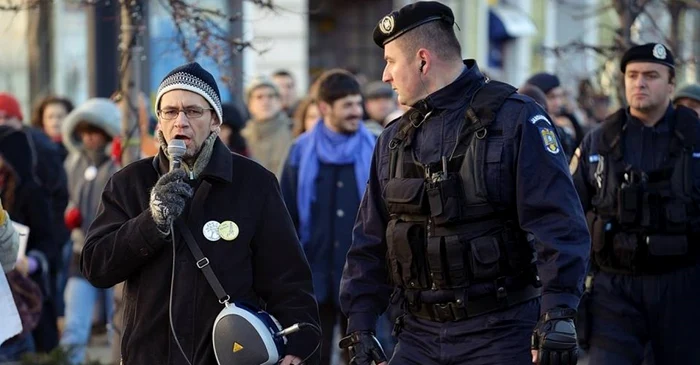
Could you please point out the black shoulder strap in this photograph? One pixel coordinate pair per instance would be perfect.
(611, 132)
(407, 126)
(685, 126)
(202, 262)
(485, 103)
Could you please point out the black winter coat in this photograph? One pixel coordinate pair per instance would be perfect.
(263, 265)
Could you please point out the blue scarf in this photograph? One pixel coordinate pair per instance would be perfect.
(324, 145)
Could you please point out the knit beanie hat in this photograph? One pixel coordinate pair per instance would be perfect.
(259, 82)
(192, 77)
(10, 106)
(544, 81)
(691, 91)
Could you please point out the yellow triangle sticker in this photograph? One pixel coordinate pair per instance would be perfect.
(237, 347)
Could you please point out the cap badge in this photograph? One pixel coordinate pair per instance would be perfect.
(659, 52)
(387, 24)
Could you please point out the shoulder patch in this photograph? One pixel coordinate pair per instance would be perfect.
(538, 118)
(549, 138)
(573, 165)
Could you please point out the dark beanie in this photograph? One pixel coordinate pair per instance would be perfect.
(544, 81)
(192, 77)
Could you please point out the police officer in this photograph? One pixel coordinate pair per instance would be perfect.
(462, 189)
(638, 177)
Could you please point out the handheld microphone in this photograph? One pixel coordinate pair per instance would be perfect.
(176, 149)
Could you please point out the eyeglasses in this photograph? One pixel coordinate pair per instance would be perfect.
(191, 112)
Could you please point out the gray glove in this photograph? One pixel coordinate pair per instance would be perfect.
(168, 199)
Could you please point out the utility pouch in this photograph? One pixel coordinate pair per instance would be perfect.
(406, 196)
(484, 258)
(628, 204)
(446, 199)
(667, 245)
(625, 249)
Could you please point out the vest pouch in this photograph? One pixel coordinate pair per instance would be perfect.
(446, 200)
(667, 245)
(406, 196)
(628, 204)
(625, 249)
(676, 217)
(596, 226)
(484, 258)
(406, 252)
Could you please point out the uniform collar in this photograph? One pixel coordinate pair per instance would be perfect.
(663, 125)
(454, 95)
(220, 164)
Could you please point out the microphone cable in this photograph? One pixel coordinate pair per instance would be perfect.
(170, 301)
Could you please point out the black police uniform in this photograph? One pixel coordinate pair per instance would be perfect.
(455, 187)
(640, 187)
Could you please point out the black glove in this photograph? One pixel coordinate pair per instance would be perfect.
(168, 199)
(555, 338)
(364, 348)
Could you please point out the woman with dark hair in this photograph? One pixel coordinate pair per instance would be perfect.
(48, 116)
(305, 117)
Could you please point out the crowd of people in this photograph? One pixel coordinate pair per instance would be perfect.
(361, 208)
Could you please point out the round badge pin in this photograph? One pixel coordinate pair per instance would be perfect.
(228, 230)
(90, 173)
(211, 231)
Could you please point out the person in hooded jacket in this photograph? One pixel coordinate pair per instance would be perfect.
(87, 132)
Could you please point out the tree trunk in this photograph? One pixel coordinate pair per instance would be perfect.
(130, 83)
(40, 42)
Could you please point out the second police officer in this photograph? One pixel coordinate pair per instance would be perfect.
(463, 190)
(638, 177)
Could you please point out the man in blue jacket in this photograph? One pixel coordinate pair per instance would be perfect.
(463, 189)
(322, 182)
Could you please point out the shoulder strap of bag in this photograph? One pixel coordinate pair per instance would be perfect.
(202, 262)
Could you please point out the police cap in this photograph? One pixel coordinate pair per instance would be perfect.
(650, 52)
(410, 16)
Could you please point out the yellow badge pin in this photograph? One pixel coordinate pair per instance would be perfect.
(228, 230)
(551, 144)
(237, 347)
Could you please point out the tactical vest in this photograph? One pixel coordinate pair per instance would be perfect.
(644, 222)
(443, 233)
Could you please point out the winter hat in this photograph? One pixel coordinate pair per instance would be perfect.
(192, 77)
(10, 106)
(378, 90)
(232, 117)
(15, 148)
(691, 91)
(259, 82)
(100, 112)
(544, 81)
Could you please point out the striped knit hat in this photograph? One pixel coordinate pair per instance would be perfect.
(192, 77)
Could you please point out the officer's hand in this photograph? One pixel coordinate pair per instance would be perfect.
(554, 338)
(168, 198)
(364, 348)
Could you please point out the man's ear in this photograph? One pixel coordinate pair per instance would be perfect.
(324, 108)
